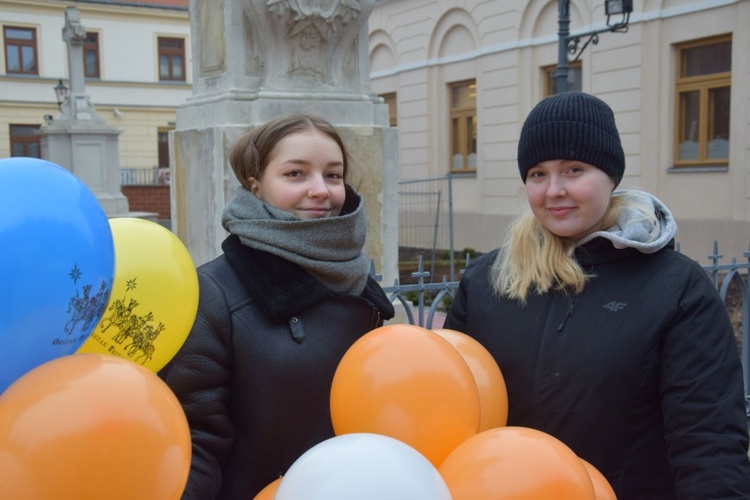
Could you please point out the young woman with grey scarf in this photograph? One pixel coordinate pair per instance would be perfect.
(277, 311)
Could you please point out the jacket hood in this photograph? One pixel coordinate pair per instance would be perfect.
(635, 228)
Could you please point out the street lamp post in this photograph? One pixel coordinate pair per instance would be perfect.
(569, 44)
(563, 34)
(61, 92)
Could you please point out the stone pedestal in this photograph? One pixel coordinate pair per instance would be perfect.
(91, 154)
(254, 60)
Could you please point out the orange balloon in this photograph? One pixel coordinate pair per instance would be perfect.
(602, 488)
(405, 382)
(516, 463)
(22, 485)
(92, 426)
(269, 491)
(493, 395)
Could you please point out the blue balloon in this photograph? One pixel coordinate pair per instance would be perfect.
(57, 264)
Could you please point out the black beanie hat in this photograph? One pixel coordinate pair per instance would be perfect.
(572, 126)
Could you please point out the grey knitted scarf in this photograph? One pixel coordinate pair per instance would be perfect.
(330, 249)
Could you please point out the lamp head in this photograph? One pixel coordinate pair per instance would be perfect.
(61, 92)
(613, 7)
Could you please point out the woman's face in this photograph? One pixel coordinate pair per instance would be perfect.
(305, 176)
(569, 198)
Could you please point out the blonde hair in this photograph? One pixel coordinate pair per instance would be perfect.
(534, 260)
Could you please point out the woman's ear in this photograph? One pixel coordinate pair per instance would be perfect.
(254, 186)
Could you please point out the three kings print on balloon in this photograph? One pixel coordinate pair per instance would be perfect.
(154, 296)
(85, 308)
(123, 324)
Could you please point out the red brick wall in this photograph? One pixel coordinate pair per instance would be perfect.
(148, 199)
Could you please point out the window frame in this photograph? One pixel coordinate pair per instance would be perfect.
(162, 145)
(171, 53)
(92, 46)
(9, 43)
(703, 84)
(549, 77)
(24, 139)
(389, 98)
(459, 115)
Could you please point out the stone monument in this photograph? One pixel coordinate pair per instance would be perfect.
(256, 59)
(79, 139)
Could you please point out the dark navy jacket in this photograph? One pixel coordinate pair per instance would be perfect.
(640, 374)
(255, 373)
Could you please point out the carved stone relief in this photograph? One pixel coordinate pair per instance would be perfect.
(211, 36)
(309, 44)
(73, 33)
(254, 61)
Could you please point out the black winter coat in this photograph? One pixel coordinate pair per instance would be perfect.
(639, 375)
(255, 373)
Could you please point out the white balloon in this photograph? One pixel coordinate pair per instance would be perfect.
(362, 466)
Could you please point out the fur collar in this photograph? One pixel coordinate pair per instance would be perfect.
(283, 289)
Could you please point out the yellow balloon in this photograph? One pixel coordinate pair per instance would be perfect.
(154, 296)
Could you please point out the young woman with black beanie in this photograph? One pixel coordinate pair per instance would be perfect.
(607, 338)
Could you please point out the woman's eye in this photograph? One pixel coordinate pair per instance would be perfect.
(335, 175)
(294, 173)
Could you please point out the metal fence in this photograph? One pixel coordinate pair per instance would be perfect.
(421, 301)
(425, 217)
(144, 176)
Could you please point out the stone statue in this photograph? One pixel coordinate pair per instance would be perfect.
(79, 140)
(77, 106)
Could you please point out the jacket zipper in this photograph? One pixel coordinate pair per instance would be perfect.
(377, 318)
(568, 314)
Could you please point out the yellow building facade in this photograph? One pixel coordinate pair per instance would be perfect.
(461, 76)
(137, 71)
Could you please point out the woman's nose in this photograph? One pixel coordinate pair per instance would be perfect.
(556, 187)
(318, 187)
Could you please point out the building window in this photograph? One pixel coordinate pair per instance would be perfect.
(390, 100)
(702, 102)
(172, 59)
(163, 148)
(574, 78)
(91, 55)
(20, 50)
(463, 126)
(24, 141)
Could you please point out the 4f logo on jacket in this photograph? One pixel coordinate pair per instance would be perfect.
(615, 306)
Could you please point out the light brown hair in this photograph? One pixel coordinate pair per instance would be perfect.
(252, 152)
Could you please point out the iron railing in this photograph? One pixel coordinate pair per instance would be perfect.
(144, 176)
(429, 296)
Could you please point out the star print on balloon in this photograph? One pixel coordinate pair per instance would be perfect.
(75, 273)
